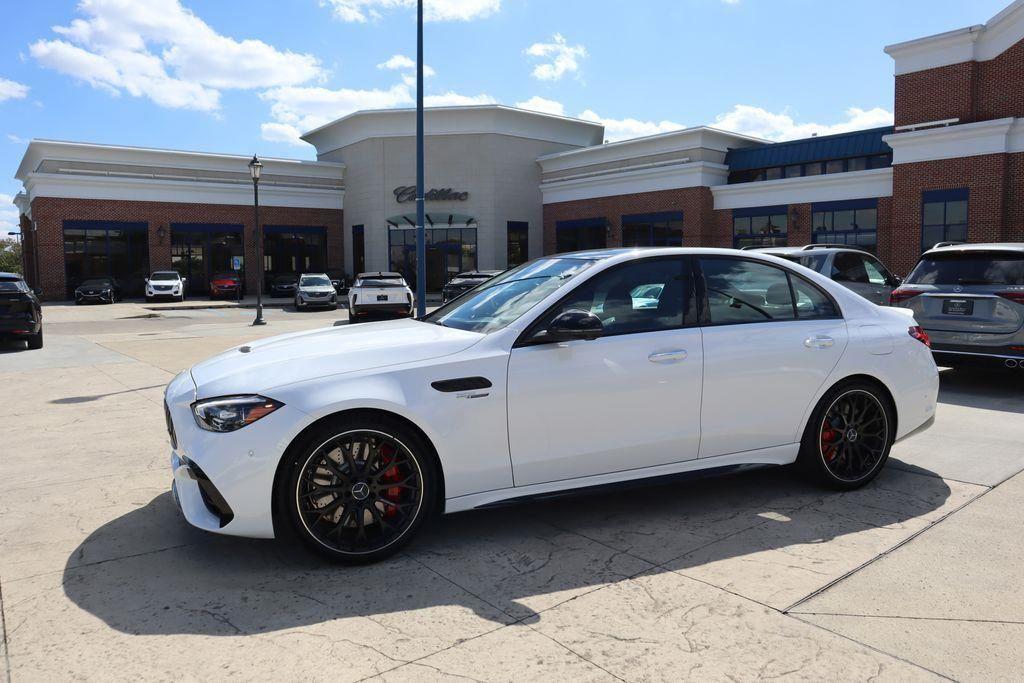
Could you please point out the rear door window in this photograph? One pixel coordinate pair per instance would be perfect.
(741, 291)
(849, 267)
(969, 268)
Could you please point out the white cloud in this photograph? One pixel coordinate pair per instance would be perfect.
(11, 90)
(9, 216)
(624, 129)
(546, 106)
(750, 120)
(564, 58)
(17, 139)
(403, 63)
(454, 99)
(161, 50)
(433, 10)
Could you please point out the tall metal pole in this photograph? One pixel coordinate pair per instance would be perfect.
(421, 218)
(259, 252)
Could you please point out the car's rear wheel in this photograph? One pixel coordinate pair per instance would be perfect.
(36, 340)
(357, 489)
(848, 437)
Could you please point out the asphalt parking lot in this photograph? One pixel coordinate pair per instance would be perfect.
(749, 576)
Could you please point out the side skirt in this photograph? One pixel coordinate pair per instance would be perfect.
(698, 467)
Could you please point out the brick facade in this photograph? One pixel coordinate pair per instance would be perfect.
(969, 91)
(50, 213)
(695, 203)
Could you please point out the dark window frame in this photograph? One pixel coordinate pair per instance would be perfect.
(782, 171)
(650, 220)
(945, 197)
(522, 230)
(758, 212)
(575, 225)
(830, 235)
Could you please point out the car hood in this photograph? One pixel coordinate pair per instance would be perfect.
(301, 356)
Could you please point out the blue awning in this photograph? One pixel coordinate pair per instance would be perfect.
(841, 146)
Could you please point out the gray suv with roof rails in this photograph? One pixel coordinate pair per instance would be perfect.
(969, 298)
(855, 268)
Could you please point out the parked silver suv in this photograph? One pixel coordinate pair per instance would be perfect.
(855, 268)
(969, 298)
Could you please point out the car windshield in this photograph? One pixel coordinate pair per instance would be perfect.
(163, 276)
(380, 282)
(314, 281)
(96, 283)
(285, 279)
(503, 300)
(969, 268)
(225, 276)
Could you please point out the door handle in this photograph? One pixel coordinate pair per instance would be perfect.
(819, 342)
(667, 356)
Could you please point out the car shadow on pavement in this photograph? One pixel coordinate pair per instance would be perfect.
(983, 388)
(763, 534)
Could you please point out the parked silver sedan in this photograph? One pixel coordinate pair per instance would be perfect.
(969, 298)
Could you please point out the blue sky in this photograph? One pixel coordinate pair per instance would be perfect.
(226, 76)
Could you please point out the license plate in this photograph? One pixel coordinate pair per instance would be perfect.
(382, 297)
(958, 307)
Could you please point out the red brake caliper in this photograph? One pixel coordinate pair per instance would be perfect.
(829, 437)
(391, 475)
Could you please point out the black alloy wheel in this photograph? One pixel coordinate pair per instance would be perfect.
(358, 492)
(849, 436)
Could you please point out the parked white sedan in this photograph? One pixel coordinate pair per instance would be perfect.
(551, 377)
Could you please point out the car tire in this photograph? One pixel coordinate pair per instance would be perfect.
(376, 478)
(36, 340)
(848, 437)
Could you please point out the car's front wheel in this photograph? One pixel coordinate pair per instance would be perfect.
(358, 488)
(848, 437)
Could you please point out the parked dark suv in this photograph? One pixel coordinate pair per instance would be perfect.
(21, 316)
(969, 298)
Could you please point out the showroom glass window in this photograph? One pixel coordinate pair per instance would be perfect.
(201, 250)
(943, 217)
(450, 251)
(846, 222)
(759, 227)
(664, 229)
(358, 250)
(114, 249)
(293, 250)
(648, 295)
(577, 235)
(746, 291)
(518, 243)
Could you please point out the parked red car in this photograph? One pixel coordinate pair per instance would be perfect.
(224, 286)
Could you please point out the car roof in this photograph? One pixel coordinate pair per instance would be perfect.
(950, 248)
(11, 276)
(809, 249)
(309, 274)
(380, 274)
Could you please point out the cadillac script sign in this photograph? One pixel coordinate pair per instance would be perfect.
(407, 194)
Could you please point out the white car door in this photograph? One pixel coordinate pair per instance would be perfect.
(764, 358)
(627, 400)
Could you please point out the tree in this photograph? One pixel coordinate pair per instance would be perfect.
(10, 256)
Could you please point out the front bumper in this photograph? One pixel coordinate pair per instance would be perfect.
(224, 482)
(102, 298)
(159, 294)
(326, 301)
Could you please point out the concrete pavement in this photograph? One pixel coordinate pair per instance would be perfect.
(749, 576)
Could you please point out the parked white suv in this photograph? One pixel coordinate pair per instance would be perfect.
(851, 267)
(165, 284)
(379, 293)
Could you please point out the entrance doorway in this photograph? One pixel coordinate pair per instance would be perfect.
(198, 252)
(450, 250)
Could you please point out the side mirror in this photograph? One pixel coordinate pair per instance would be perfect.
(574, 324)
(895, 281)
(38, 291)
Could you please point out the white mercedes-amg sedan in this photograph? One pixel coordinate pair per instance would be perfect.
(570, 371)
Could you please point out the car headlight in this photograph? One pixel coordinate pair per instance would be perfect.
(228, 413)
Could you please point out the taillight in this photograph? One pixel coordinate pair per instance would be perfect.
(918, 333)
(900, 295)
(1015, 296)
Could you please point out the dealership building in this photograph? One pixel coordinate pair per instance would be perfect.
(506, 185)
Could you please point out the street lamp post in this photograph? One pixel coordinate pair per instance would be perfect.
(255, 167)
(421, 236)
